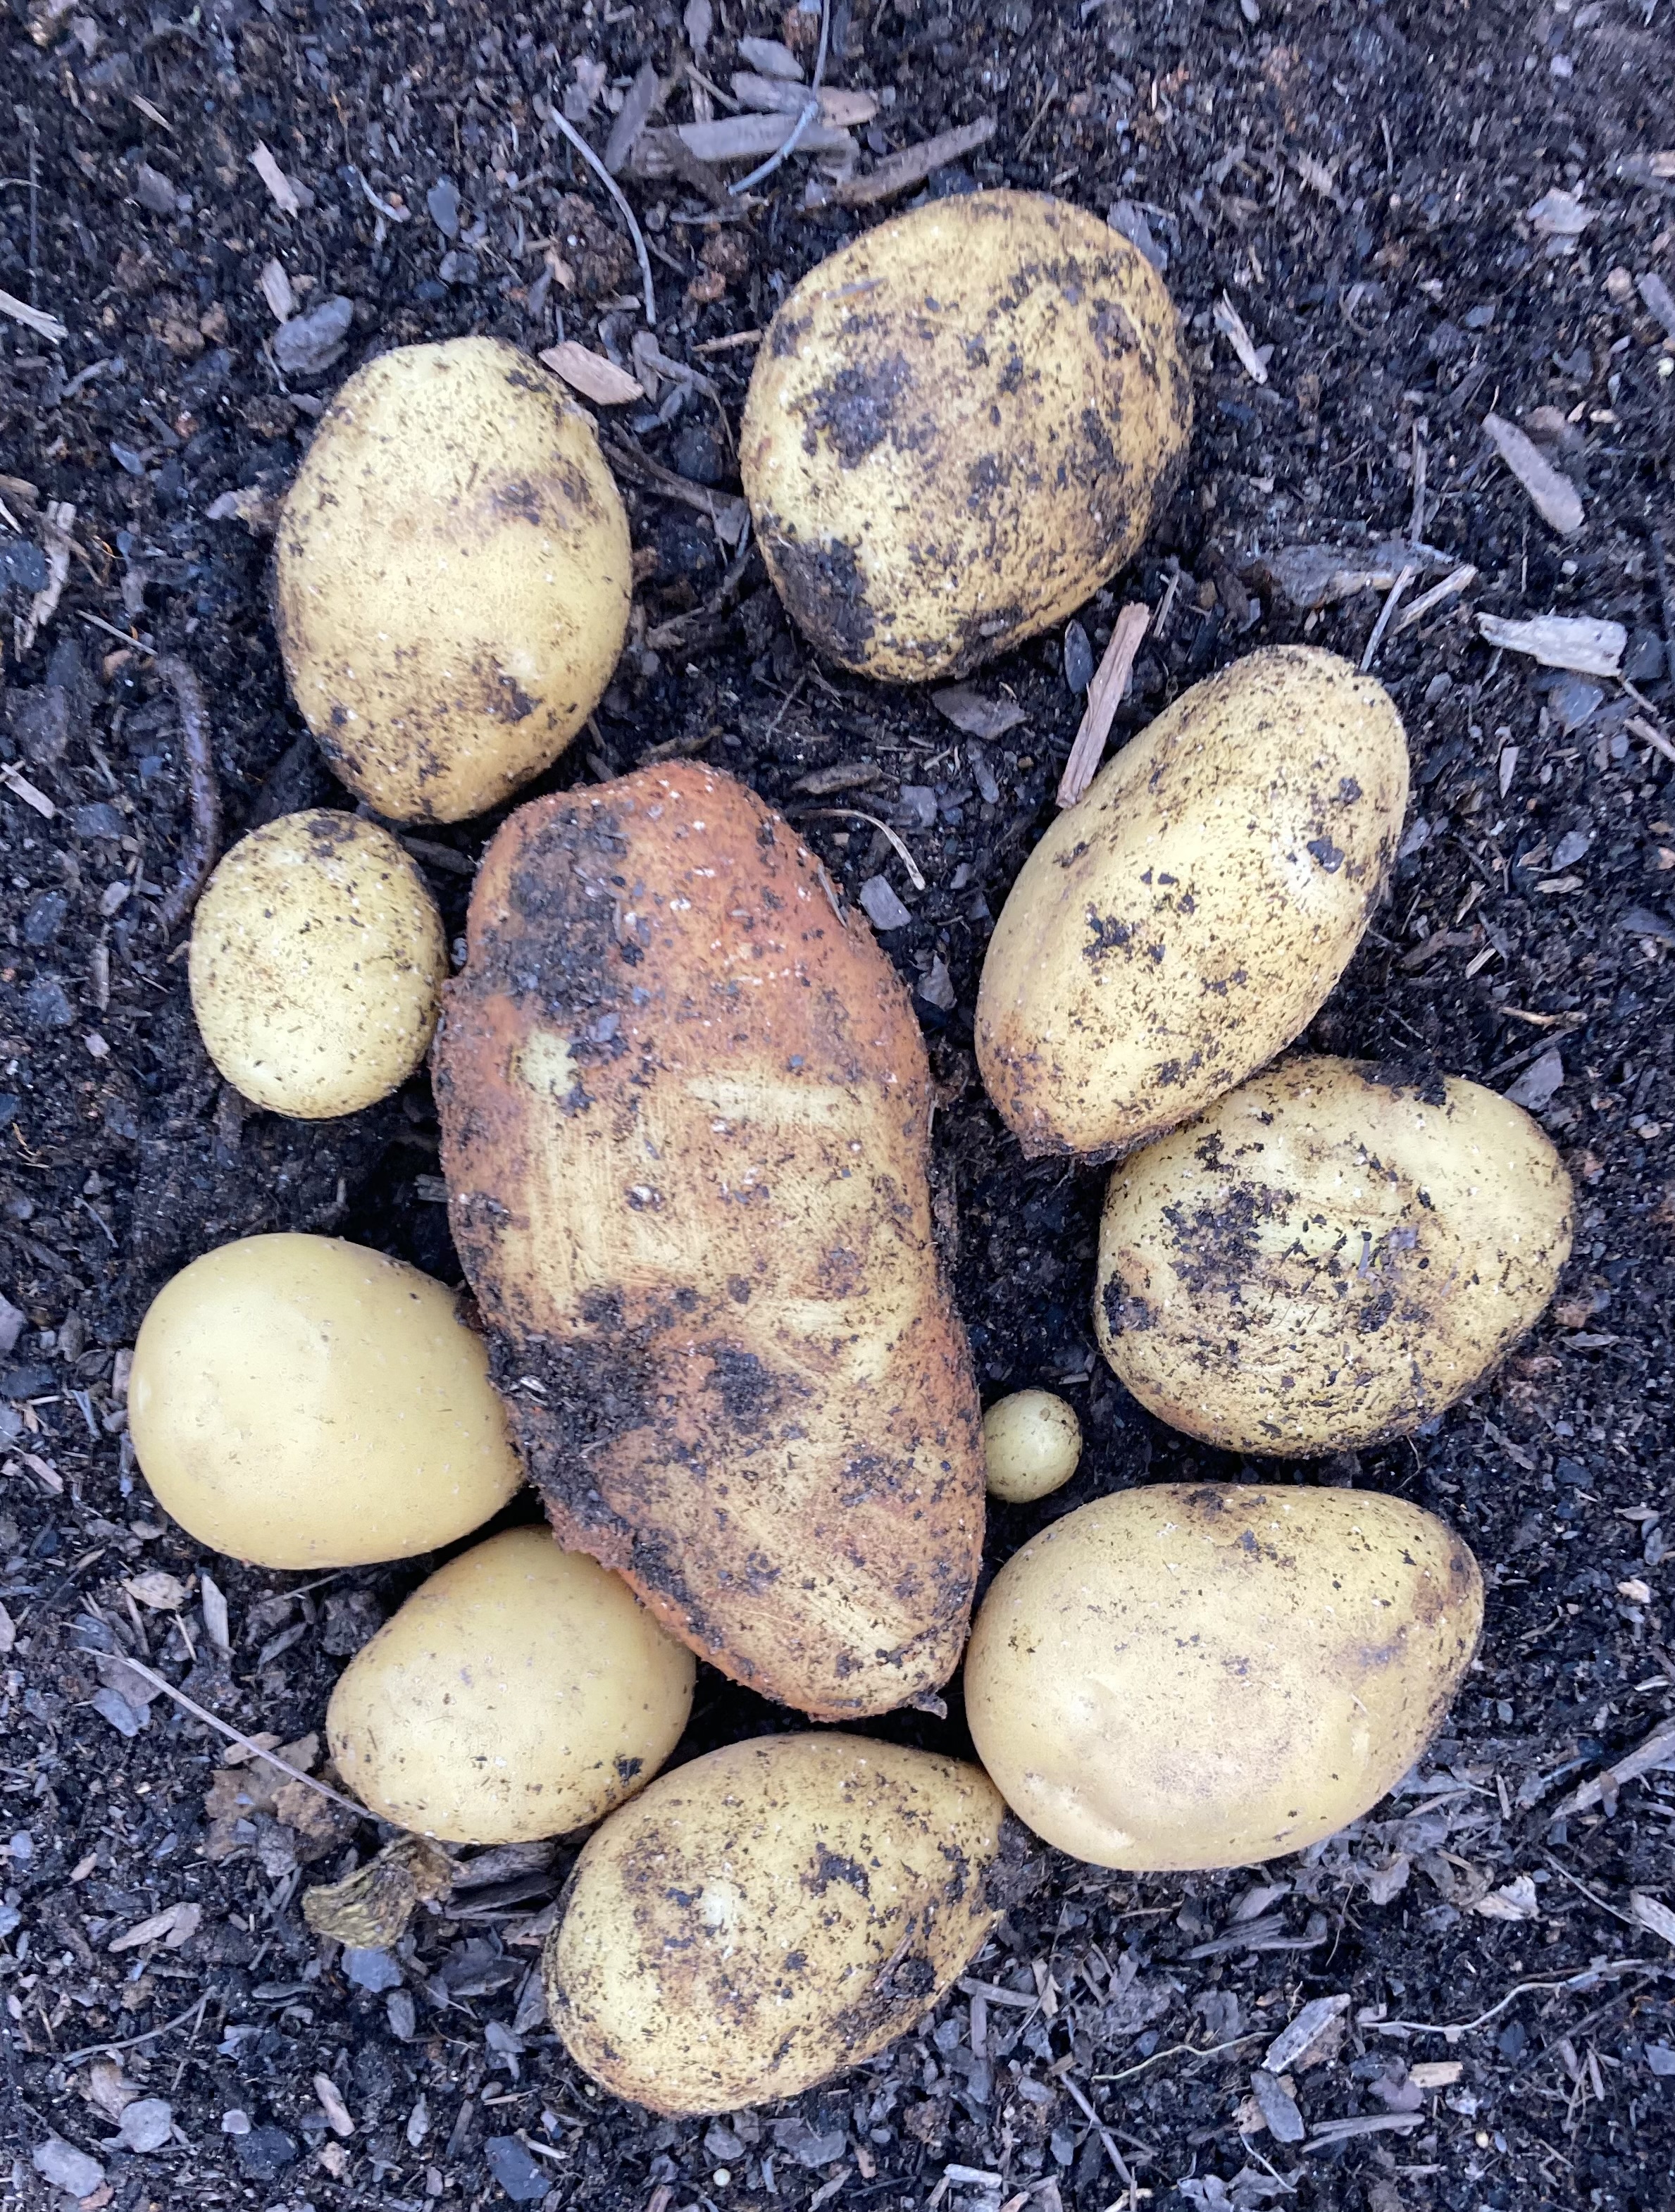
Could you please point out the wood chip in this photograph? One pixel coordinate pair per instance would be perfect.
(733, 139)
(978, 717)
(1658, 299)
(276, 291)
(1461, 581)
(283, 191)
(774, 96)
(58, 520)
(1653, 1752)
(900, 173)
(172, 1927)
(1303, 2033)
(592, 374)
(639, 103)
(1104, 697)
(1651, 1912)
(772, 57)
(1581, 642)
(1231, 324)
(33, 318)
(1435, 2073)
(331, 2104)
(1552, 495)
(21, 787)
(214, 1602)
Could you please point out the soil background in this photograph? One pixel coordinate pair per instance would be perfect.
(1356, 179)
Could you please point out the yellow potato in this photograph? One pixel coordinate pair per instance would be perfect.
(297, 1401)
(521, 1691)
(1175, 930)
(768, 1914)
(317, 965)
(1032, 1441)
(1204, 1675)
(452, 578)
(1332, 1254)
(958, 426)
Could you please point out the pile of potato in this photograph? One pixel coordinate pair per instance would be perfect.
(685, 1113)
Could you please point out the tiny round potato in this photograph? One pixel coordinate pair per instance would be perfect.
(1032, 1441)
(521, 1691)
(317, 965)
(1185, 1676)
(1178, 926)
(1335, 1252)
(958, 426)
(452, 578)
(299, 1401)
(768, 1914)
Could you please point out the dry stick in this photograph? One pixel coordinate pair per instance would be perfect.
(129, 2042)
(1104, 697)
(1124, 2175)
(1389, 608)
(855, 814)
(810, 108)
(204, 842)
(1457, 580)
(627, 213)
(255, 1750)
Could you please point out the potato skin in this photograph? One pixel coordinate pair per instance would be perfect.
(521, 1691)
(1185, 1676)
(1178, 927)
(958, 426)
(768, 1914)
(685, 1133)
(1332, 1254)
(452, 578)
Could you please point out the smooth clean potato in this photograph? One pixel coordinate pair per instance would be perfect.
(1332, 1254)
(1181, 924)
(521, 1691)
(958, 426)
(1184, 1676)
(770, 1915)
(299, 1401)
(452, 578)
(317, 963)
(1032, 1441)
(685, 1130)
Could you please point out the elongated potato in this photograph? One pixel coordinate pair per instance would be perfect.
(1334, 1253)
(1179, 926)
(770, 1914)
(684, 1129)
(958, 426)
(1204, 1675)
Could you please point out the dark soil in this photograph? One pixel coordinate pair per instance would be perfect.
(1356, 179)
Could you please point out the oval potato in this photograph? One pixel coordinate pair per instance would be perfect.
(1032, 1444)
(958, 426)
(1176, 928)
(770, 1914)
(521, 1691)
(299, 1401)
(1332, 1254)
(1187, 1676)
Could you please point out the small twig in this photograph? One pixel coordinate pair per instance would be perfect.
(811, 109)
(1388, 609)
(255, 1750)
(1104, 697)
(1179, 2050)
(204, 845)
(1417, 533)
(623, 208)
(1458, 580)
(1105, 2135)
(855, 814)
(1454, 2029)
(132, 2042)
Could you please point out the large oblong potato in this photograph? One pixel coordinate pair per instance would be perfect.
(958, 426)
(685, 1132)
(452, 578)
(1332, 1254)
(770, 1914)
(1186, 1675)
(1176, 928)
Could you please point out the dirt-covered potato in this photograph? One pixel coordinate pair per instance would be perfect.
(297, 1401)
(317, 964)
(452, 578)
(1032, 1442)
(959, 425)
(1332, 1254)
(770, 1914)
(685, 1130)
(1171, 932)
(521, 1691)
(1205, 1675)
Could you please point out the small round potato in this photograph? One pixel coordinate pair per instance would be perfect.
(1032, 1441)
(299, 1401)
(768, 1914)
(1332, 1254)
(452, 578)
(1185, 1676)
(959, 425)
(521, 1691)
(317, 965)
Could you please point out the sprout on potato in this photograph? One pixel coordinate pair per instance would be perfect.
(1032, 1442)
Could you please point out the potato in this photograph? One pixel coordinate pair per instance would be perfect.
(685, 1132)
(297, 1401)
(958, 426)
(521, 1691)
(317, 964)
(452, 578)
(1032, 1441)
(1332, 1254)
(1171, 932)
(770, 1914)
(1204, 1675)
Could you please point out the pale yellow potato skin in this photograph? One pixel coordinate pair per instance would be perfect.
(1180, 925)
(1187, 1676)
(452, 578)
(768, 1914)
(521, 1691)
(958, 426)
(1032, 1442)
(1332, 1254)
(300, 1401)
(317, 964)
